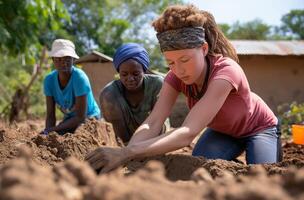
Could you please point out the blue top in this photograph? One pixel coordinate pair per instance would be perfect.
(78, 85)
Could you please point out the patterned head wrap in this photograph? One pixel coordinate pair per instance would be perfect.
(131, 51)
(183, 38)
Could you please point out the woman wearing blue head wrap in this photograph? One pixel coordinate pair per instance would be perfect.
(127, 102)
(131, 51)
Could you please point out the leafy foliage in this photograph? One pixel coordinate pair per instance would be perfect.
(290, 114)
(25, 28)
(292, 28)
(24, 25)
(253, 30)
(293, 23)
(104, 25)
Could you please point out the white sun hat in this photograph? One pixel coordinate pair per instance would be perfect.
(62, 47)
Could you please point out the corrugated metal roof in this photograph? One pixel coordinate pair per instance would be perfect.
(280, 48)
(94, 56)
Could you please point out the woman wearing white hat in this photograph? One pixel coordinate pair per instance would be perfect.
(68, 88)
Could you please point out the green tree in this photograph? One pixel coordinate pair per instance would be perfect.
(293, 24)
(25, 29)
(277, 33)
(225, 29)
(104, 25)
(252, 30)
(25, 25)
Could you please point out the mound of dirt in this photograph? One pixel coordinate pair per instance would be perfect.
(181, 166)
(54, 148)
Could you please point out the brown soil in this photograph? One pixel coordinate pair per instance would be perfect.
(50, 167)
(48, 150)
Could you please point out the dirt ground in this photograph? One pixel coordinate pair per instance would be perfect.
(51, 167)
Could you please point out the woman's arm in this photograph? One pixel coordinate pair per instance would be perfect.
(80, 115)
(50, 120)
(197, 119)
(199, 116)
(112, 113)
(152, 126)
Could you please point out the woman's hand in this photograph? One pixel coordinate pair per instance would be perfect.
(107, 158)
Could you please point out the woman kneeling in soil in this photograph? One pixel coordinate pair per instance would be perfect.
(69, 88)
(203, 65)
(127, 102)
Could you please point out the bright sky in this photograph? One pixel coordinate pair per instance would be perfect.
(229, 11)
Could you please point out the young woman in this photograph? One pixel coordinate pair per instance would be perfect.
(68, 88)
(127, 102)
(203, 66)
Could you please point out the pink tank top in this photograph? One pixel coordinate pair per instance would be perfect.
(244, 113)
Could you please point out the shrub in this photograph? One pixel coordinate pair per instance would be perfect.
(290, 114)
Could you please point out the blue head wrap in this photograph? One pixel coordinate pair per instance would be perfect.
(131, 51)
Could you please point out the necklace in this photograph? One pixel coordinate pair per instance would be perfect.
(201, 93)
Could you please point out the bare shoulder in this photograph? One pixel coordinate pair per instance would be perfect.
(108, 92)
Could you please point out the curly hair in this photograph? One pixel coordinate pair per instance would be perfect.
(179, 16)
